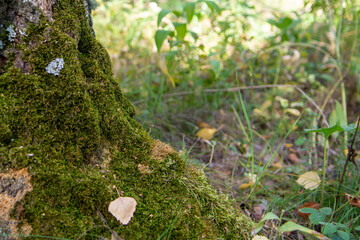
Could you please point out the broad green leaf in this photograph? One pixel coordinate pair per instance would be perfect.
(162, 14)
(189, 10)
(267, 216)
(330, 130)
(308, 210)
(325, 211)
(316, 218)
(343, 235)
(270, 216)
(329, 228)
(180, 30)
(273, 22)
(337, 115)
(213, 6)
(194, 35)
(160, 37)
(357, 228)
(290, 226)
(216, 67)
(177, 13)
(343, 226)
(340, 114)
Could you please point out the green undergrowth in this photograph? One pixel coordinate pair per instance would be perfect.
(76, 135)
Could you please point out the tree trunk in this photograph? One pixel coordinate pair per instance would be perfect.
(68, 141)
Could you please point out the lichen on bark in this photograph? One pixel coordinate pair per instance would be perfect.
(74, 135)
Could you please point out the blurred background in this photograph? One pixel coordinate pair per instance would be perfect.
(182, 63)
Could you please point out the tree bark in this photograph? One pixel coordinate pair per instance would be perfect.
(68, 141)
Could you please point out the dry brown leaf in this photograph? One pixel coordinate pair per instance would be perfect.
(307, 205)
(354, 201)
(206, 133)
(293, 158)
(277, 165)
(309, 180)
(123, 209)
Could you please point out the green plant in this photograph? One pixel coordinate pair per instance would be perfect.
(327, 131)
(330, 229)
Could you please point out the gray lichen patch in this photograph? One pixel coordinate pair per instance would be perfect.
(12, 33)
(55, 66)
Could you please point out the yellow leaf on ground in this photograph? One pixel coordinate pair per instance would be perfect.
(202, 124)
(277, 165)
(206, 133)
(257, 237)
(288, 145)
(293, 111)
(309, 180)
(123, 209)
(246, 185)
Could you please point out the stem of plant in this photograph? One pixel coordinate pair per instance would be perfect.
(324, 170)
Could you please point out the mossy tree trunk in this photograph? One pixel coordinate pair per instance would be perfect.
(68, 141)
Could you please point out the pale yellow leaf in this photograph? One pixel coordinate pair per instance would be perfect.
(293, 111)
(258, 112)
(257, 237)
(309, 180)
(288, 145)
(203, 124)
(246, 185)
(206, 133)
(252, 177)
(163, 68)
(123, 209)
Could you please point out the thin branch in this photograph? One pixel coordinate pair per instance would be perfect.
(351, 155)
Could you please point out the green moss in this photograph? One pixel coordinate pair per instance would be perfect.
(76, 135)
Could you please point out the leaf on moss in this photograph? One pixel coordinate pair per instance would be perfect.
(309, 180)
(144, 169)
(123, 209)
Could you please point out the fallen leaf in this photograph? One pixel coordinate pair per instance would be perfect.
(307, 205)
(246, 185)
(354, 201)
(257, 237)
(206, 133)
(252, 180)
(293, 111)
(309, 180)
(258, 212)
(203, 124)
(277, 165)
(293, 158)
(288, 145)
(144, 169)
(123, 209)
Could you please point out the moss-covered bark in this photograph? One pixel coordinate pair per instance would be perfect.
(68, 140)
